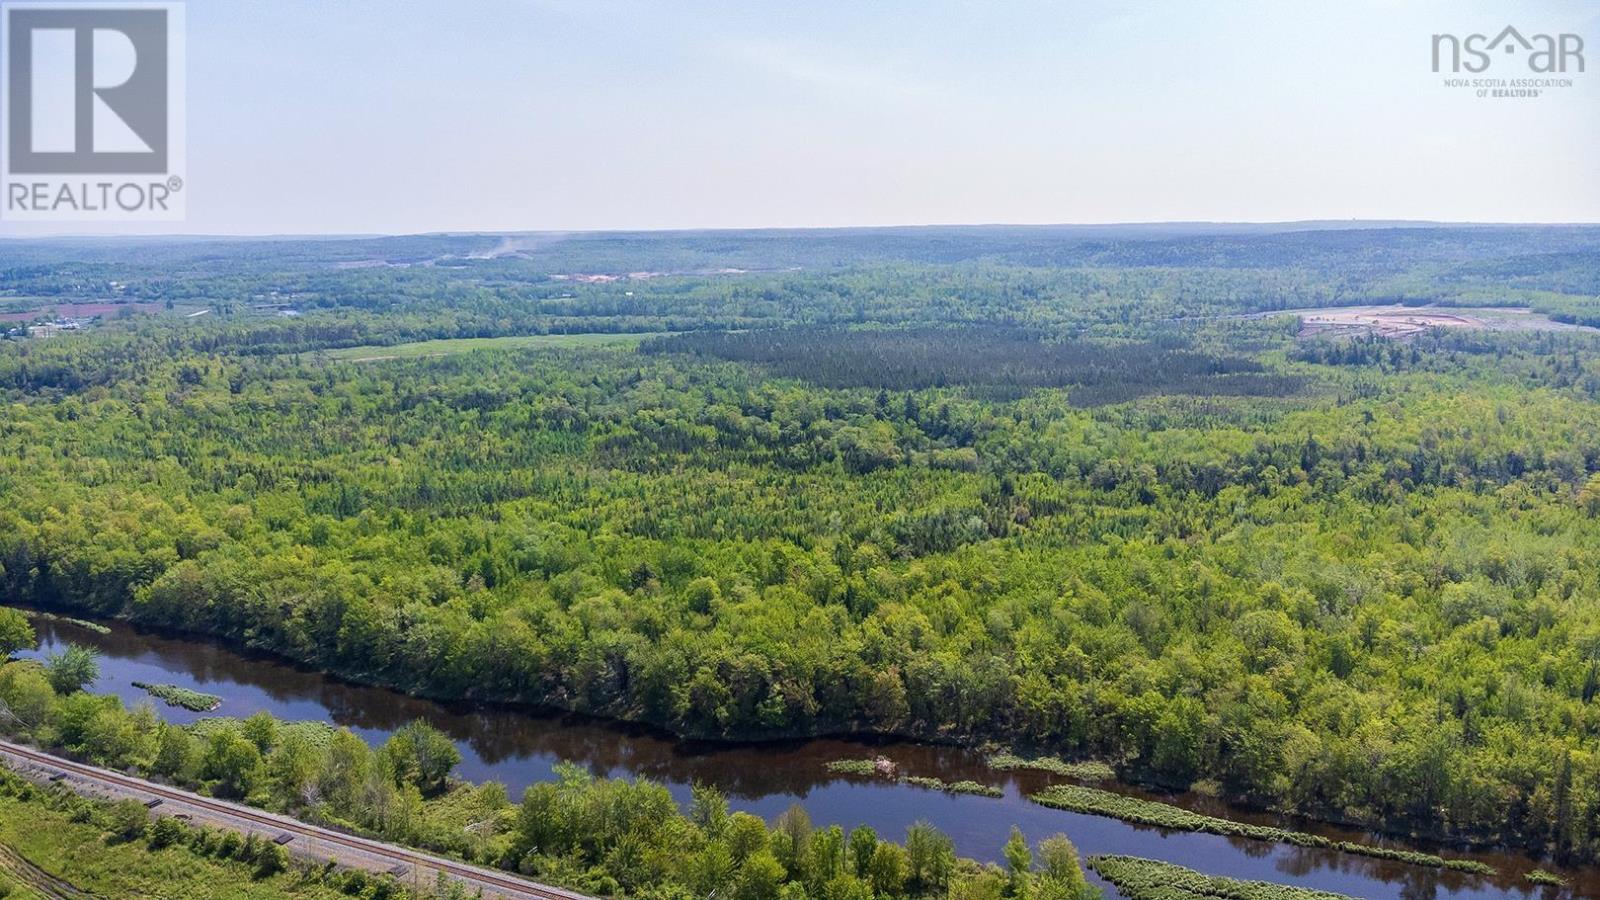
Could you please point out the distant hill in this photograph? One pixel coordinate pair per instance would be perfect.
(1310, 244)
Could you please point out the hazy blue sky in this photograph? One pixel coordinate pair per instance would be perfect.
(389, 117)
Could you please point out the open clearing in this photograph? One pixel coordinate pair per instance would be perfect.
(80, 310)
(1402, 322)
(448, 346)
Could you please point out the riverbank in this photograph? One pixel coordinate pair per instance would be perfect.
(1130, 781)
(518, 748)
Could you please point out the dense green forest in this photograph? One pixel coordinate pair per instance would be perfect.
(1023, 485)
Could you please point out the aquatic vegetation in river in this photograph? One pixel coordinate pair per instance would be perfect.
(173, 695)
(954, 787)
(1092, 801)
(1147, 879)
(1087, 770)
(1541, 876)
(866, 767)
(885, 768)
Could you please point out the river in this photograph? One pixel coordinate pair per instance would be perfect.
(519, 747)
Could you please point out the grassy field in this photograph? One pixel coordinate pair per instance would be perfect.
(448, 346)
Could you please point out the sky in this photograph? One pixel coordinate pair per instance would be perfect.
(388, 117)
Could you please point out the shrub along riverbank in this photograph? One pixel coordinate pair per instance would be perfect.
(1076, 798)
(42, 616)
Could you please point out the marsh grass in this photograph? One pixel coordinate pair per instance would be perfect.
(1091, 801)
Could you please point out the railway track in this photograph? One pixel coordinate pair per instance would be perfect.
(509, 886)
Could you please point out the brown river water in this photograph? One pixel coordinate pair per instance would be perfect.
(519, 747)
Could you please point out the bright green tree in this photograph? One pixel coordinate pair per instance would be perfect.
(73, 669)
(16, 633)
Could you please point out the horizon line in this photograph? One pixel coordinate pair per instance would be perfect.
(1307, 224)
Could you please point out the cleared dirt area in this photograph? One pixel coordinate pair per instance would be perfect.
(1401, 322)
(1390, 323)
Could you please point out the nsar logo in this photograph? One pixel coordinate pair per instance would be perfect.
(1544, 53)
